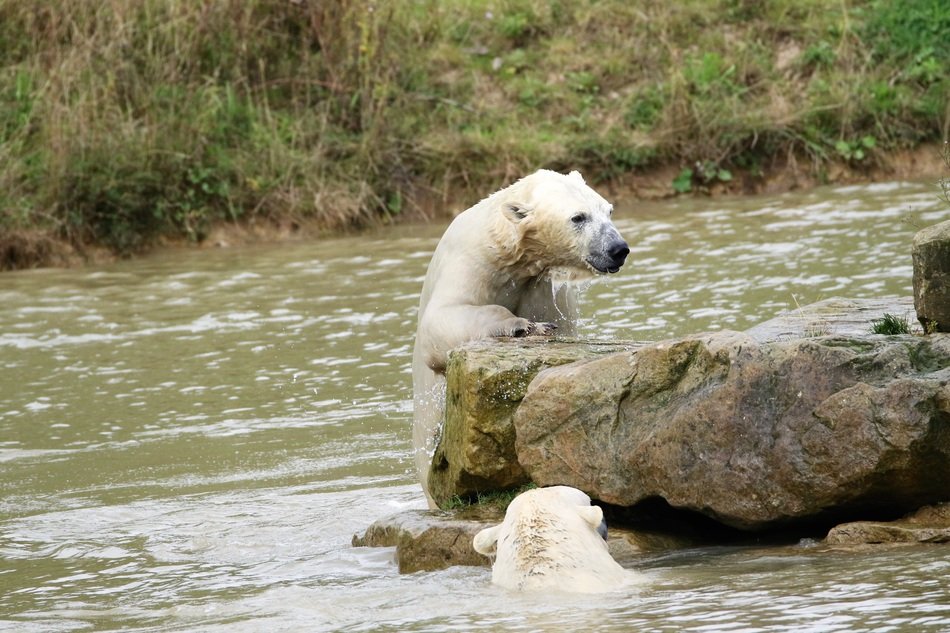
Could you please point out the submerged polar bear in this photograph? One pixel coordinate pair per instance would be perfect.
(552, 538)
(499, 271)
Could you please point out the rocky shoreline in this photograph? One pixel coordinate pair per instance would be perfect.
(891, 461)
(806, 425)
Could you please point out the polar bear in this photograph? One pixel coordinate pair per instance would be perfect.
(500, 270)
(552, 538)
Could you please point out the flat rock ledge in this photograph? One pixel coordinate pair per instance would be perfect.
(930, 524)
(806, 419)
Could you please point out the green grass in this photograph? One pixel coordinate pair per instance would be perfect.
(128, 121)
(497, 498)
(890, 325)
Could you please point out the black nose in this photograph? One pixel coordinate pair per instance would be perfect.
(618, 252)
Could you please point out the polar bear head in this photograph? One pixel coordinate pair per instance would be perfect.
(561, 223)
(552, 538)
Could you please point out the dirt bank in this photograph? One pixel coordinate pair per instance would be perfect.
(36, 249)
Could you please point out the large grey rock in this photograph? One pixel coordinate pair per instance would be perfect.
(752, 434)
(485, 381)
(931, 255)
(930, 524)
(427, 540)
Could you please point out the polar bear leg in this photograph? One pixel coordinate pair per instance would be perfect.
(451, 326)
(554, 303)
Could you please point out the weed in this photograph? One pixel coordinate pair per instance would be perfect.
(683, 183)
(533, 93)
(890, 325)
(819, 55)
(516, 26)
(610, 156)
(646, 108)
(583, 82)
(855, 151)
(703, 175)
(813, 325)
(127, 121)
(497, 498)
(710, 74)
(816, 330)
(903, 30)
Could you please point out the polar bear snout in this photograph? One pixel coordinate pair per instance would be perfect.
(611, 256)
(618, 255)
(602, 529)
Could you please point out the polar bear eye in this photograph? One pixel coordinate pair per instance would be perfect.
(579, 218)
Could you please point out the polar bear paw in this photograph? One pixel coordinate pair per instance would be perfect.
(519, 328)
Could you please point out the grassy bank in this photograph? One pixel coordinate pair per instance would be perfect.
(127, 121)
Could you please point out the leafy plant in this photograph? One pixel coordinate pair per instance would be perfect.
(855, 151)
(703, 175)
(610, 156)
(683, 183)
(710, 73)
(645, 109)
(901, 30)
(820, 54)
(925, 68)
(583, 82)
(515, 26)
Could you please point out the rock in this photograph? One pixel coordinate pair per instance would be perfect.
(626, 545)
(831, 317)
(485, 382)
(427, 540)
(931, 255)
(755, 435)
(930, 524)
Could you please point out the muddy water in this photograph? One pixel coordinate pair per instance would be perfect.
(188, 442)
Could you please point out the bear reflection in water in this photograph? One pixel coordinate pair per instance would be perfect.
(553, 538)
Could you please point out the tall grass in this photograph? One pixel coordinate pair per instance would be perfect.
(127, 120)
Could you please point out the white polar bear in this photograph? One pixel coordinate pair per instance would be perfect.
(552, 538)
(499, 270)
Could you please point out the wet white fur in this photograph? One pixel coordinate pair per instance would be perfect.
(549, 540)
(497, 271)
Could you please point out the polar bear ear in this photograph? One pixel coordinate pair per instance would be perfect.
(515, 211)
(486, 541)
(592, 515)
(576, 175)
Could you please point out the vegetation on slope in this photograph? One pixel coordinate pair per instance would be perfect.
(122, 122)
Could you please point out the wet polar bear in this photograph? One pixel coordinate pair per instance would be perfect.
(552, 538)
(499, 271)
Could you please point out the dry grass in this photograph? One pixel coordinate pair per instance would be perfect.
(126, 120)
